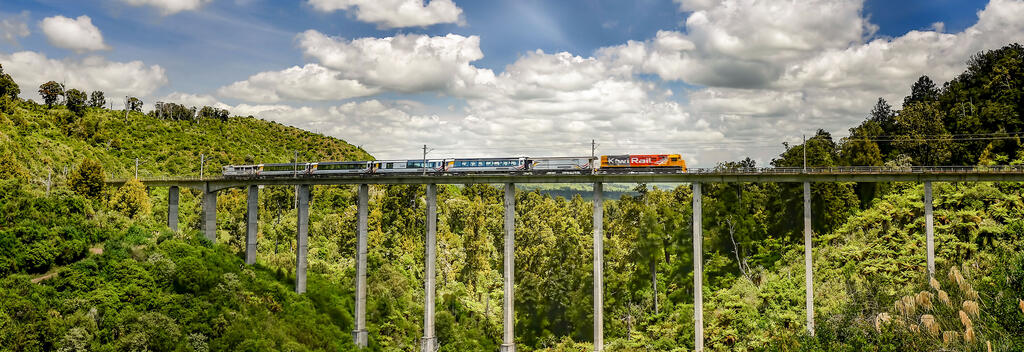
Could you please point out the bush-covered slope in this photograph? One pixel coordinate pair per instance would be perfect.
(54, 138)
(148, 289)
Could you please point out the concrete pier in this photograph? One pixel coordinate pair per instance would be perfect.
(172, 208)
(359, 335)
(301, 238)
(429, 341)
(808, 272)
(209, 216)
(698, 270)
(929, 227)
(508, 322)
(252, 224)
(598, 267)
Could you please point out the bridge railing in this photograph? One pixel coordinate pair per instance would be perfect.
(861, 169)
(750, 171)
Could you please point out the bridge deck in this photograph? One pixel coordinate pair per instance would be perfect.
(838, 174)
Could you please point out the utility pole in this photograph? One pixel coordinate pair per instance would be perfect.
(593, 155)
(202, 165)
(295, 166)
(424, 160)
(805, 153)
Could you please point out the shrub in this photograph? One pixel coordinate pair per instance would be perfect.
(10, 168)
(87, 179)
(132, 200)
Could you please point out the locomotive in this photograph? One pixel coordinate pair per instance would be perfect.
(516, 165)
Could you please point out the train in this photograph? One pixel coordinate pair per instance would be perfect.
(514, 165)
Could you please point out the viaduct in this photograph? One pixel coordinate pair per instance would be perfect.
(210, 187)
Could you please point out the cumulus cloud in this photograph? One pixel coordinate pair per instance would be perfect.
(169, 7)
(395, 13)
(31, 69)
(745, 43)
(307, 83)
(14, 27)
(404, 63)
(78, 34)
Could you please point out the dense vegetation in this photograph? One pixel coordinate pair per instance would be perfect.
(119, 280)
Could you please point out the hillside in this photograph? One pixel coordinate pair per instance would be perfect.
(55, 138)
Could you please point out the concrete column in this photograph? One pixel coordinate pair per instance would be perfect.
(301, 238)
(209, 218)
(808, 274)
(172, 208)
(698, 270)
(598, 267)
(429, 341)
(508, 338)
(252, 224)
(360, 334)
(929, 227)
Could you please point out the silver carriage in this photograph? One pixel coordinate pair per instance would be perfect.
(240, 170)
(562, 164)
(340, 167)
(283, 169)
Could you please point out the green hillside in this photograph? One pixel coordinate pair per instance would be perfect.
(56, 138)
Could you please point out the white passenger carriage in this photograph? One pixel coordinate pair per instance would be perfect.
(408, 166)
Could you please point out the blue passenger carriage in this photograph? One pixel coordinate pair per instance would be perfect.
(486, 165)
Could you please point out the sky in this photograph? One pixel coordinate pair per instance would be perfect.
(713, 80)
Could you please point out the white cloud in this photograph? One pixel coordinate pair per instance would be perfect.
(395, 13)
(307, 83)
(31, 69)
(14, 27)
(196, 100)
(404, 63)
(745, 43)
(78, 34)
(169, 7)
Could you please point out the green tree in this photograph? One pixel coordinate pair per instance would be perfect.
(134, 104)
(209, 112)
(97, 100)
(8, 87)
(923, 91)
(87, 179)
(75, 100)
(921, 134)
(51, 92)
(132, 199)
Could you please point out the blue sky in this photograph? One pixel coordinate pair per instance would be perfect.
(563, 72)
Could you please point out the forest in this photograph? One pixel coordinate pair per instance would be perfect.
(86, 267)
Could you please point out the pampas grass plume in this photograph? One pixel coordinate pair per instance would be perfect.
(964, 319)
(971, 307)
